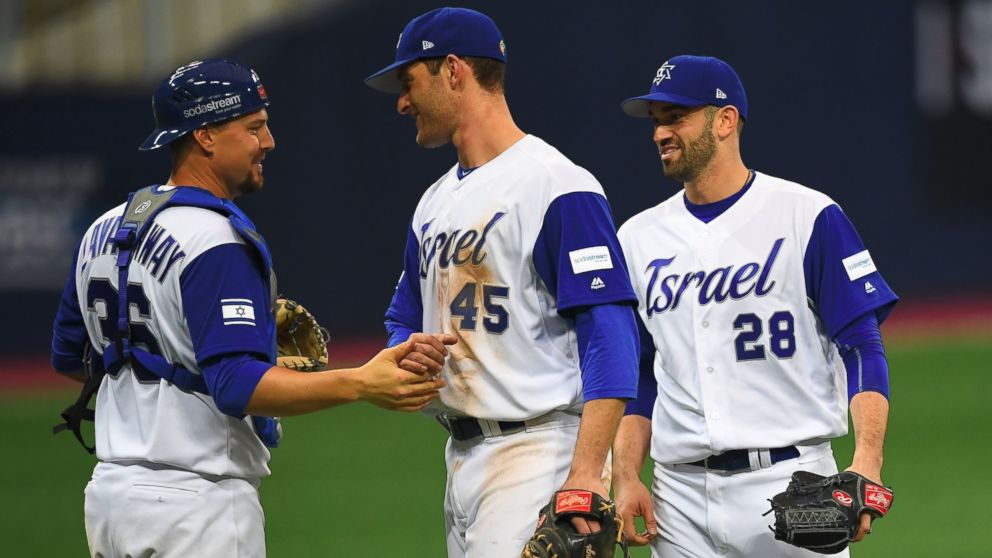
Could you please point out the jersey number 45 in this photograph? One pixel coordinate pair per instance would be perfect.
(466, 305)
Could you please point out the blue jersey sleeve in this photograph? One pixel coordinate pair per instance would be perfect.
(647, 384)
(231, 380)
(578, 256)
(406, 310)
(227, 306)
(860, 344)
(69, 331)
(841, 278)
(606, 336)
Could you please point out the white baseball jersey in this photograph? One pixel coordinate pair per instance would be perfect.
(742, 318)
(492, 258)
(194, 293)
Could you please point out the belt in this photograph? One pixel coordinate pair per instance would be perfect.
(735, 460)
(464, 429)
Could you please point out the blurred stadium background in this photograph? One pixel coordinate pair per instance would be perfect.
(884, 105)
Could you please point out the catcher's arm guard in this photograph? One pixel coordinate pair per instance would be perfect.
(301, 342)
(556, 537)
(823, 514)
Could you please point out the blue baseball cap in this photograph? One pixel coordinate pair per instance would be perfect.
(200, 93)
(692, 81)
(436, 34)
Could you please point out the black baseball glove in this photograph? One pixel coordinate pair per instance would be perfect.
(822, 514)
(557, 538)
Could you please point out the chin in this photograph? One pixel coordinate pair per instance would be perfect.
(250, 187)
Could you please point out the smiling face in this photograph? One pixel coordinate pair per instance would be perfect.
(685, 139)
(240, 146)
(427, 98)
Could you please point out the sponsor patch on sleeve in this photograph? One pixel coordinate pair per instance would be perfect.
(237, 311)
(859, 265)
(590, 259)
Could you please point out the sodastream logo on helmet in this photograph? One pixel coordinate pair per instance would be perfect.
(218, 106)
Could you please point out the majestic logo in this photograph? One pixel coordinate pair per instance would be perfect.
(427, 45)
(597, 284)
(457, 247)
(217, 105)
(843, 498)
(720, 94)
(878, 498)
(716, 285)
(664, 72)
(142, 207)
(573, 500)
(869, 288)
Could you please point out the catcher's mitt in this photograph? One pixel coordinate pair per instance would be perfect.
(301, 343)
(557, 538)
(822, 514)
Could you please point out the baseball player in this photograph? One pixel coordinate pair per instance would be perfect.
(760, 309)
(512, 251)
(177, 307)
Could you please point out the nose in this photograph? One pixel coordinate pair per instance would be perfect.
(267, 142)
(661, 133)
(403, 103)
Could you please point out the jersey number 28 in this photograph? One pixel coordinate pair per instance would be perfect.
(782, 336)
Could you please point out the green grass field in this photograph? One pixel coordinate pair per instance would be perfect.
(363, 482)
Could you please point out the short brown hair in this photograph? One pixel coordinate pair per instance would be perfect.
(490, 73)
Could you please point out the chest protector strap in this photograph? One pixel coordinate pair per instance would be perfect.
(140, 211)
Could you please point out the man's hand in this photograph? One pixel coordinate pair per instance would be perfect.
(428, 352)
(593, 483)
(634, 500)
(876, 477)
(386, 384)
(632, 497)
(870, 414)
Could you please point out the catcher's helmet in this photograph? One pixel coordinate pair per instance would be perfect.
(200, 93)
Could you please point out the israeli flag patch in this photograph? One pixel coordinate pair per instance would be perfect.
(237, 311)
(859, 265)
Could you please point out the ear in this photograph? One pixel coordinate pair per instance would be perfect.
(204, 138)
(455, 70)
(725, 122)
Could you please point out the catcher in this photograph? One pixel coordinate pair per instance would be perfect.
(173, 291)
(558, 537)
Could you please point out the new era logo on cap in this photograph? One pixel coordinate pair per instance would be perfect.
(428, 45)
(720, 94)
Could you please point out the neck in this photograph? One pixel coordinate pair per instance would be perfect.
(199, 176)
(485, 130)
(719, 181)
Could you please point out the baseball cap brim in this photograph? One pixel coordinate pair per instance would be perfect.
(638, 107)
(387, 79)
